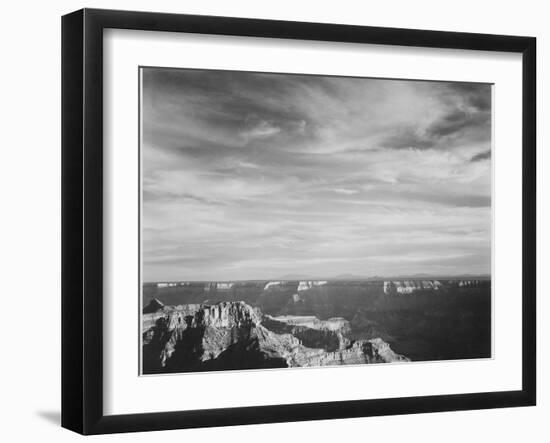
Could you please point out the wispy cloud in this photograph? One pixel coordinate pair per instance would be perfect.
(260, 129)
(250, 175)
(345, 191)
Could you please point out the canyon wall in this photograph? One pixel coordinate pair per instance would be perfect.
(234, 335)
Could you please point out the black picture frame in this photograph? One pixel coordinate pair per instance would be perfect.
(82, 220)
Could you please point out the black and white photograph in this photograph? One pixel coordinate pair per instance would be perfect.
(275, 221)
(305, 220)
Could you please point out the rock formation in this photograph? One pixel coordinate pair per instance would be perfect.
(166, 285)
(153, 306)
(233, 335)
(466, 283)
(329, 335)
(305, 285)
(271, 284)
(410, 286)
(219, 286)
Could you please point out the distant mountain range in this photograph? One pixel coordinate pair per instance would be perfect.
(298, 277)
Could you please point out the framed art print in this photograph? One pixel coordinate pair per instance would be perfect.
(298, 205)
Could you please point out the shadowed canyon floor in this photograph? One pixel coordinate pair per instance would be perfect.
(189, 326)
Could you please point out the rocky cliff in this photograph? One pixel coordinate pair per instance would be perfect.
(153, 306)
(272, 284)
(233, 335)
(410, 286)
(219, 286)
(329, 335)
(305, 285)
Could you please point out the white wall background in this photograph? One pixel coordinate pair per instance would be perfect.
(30, 221)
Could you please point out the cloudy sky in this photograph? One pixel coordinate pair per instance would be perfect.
(258, 176)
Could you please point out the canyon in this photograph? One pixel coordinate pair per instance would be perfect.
(234, 335)
(427, 319)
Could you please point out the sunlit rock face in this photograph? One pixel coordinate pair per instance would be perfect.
(310, 321)
(218, 286)
(400, 287)
(166, 285)
(410, 286)
(466, 283)
(233, 335)
(329, 335)
(358, 352)
(305, 285)
(272, 284)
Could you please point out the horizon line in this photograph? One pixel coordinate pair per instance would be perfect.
(343, 278)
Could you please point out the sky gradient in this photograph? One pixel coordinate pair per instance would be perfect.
(260, 176)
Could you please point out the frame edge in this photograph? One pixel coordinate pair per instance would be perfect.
(529, 220)
(72, 221)
(82, 374)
